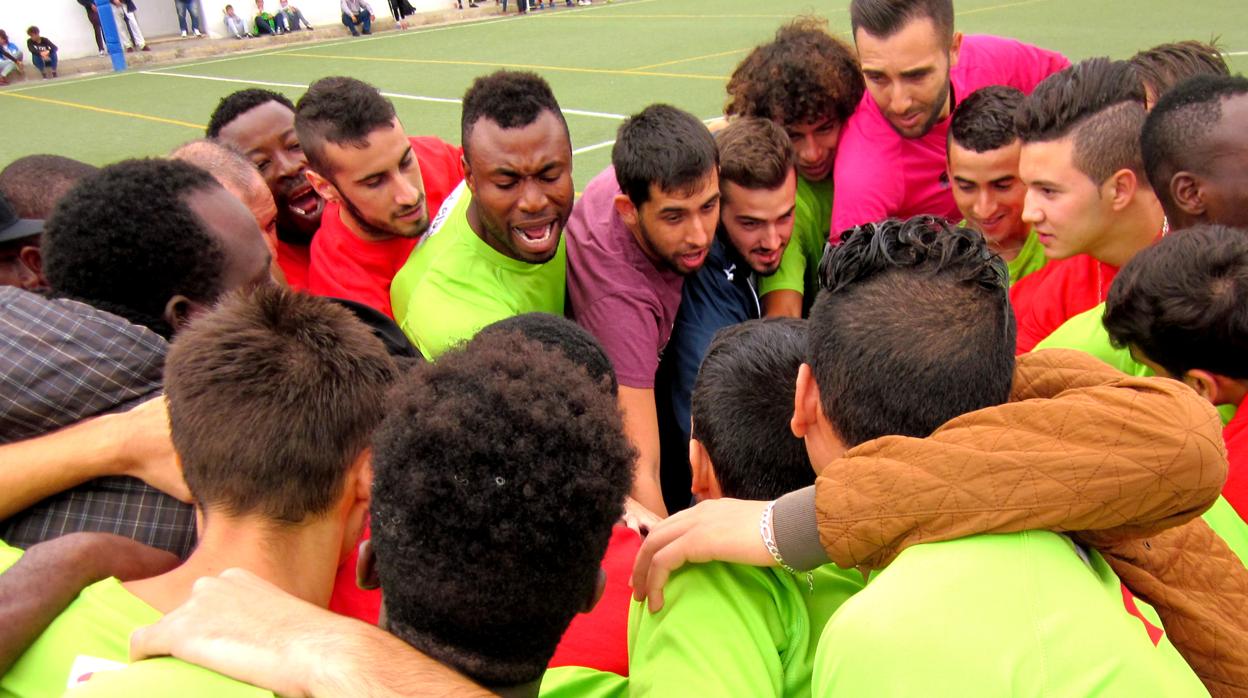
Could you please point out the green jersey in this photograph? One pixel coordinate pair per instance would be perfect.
(454, 283)
(734, 630)
(1086, 333)
(8, 555)
(1021, 614)
(1030, 258)
(164, 676)
(582, 682)
(799, 266)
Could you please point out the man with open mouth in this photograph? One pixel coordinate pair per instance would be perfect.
(496, 247)
(641, 227)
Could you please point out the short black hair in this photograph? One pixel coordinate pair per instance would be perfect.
(34, 183)
(273, 395)
(984, 121)
(742, 405)
(804, 76)
(125, 240)
(664, 146)
(238, 103)
(498, 474)
(1097, 102)
(912, 328)
(1175, 137)
(1183, 302)
(558, 332)
(342, 111)
(1162, 67)
(883, 18)
(509, 98)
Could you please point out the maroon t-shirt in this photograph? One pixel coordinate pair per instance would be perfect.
(614, 290)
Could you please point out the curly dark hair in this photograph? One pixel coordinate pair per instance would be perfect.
(33, 184)
(742, 404)
(273, 395)
(125, 240)
(509, 98)
(1097, 102)
(803, 76)
(1176, 134)
(1162, 67)
(912, 328)
(498, 474)
(558, 332)
(1183, 302)
(235, 104)
(664, 146)
(342, 111)
(984, 121)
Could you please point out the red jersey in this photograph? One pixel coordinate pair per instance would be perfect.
(294, 259)
(1236, 436)
(345, 266)
(1064, 288)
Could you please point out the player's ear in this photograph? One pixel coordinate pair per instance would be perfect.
(323, 187)
(628, 212)
(1120, 188)
(1187, 194)
(805, 403)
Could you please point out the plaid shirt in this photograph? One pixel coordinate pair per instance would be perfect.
(61, 362)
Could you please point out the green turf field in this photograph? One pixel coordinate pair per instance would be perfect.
(603, 61)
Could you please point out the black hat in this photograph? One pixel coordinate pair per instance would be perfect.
(14, 228)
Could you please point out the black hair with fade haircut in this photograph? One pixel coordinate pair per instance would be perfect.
(912, 328)
(557, 332)
(663, 146)
(509, 98)
(883, 18)
(34, 183)
(984, 121)
(803, 76)
(1162, 67)
(742, 405)
(1183, 303)
(342, 111)
(273, 395)
(498, 474)
(1175, 137)
(238, 103)
(1097, 102)
(125, 240)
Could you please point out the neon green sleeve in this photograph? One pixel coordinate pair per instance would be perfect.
(1085, 332)
(160, 676)
(582, 682)
(812, 215)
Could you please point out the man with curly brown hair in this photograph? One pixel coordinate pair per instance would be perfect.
(808, 82)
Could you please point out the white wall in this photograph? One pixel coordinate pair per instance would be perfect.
(65, 23)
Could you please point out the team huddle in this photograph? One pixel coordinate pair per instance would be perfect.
(917, 373)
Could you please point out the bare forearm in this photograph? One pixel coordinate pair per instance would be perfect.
(782, 304)
(367, 661)
(33, 592)
(38, 468)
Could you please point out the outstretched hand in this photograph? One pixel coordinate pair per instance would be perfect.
(718, 529)
(147, 448)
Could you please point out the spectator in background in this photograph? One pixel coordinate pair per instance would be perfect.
(266, 23)
(93, 16)
(235, 25)
(32, 185)
(293, 16)
(1162, 67)
(11, 57)
(184, 8)
(132, 36)
(42, 52)
(357, 13)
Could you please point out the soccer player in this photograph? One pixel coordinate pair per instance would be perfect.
(891, 158)
(642, 226)
(497, 247)
(272, 399)
(820, 89)
(1162, 67)
(756, 217)
(983, 167)
(381, 188)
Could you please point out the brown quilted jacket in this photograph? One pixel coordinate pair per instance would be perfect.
(1124, 464)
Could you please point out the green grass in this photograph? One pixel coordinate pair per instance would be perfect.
(604, 58)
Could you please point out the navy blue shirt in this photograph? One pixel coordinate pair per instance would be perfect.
(722, 293)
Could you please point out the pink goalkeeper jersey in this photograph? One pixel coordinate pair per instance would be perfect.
(880, 174)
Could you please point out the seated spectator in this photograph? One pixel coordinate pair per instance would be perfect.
(42, 52)
(268, 384)
(33, 185)
(766, 620)
(11, 57)
(757, 214)
(821, 88)
(131, 255)
(293, 16)
(357, 16)
(983, 168)
(497, 248)
(260, 124)
(1164, 66)
(381, 188)
(1180, 307)
(643, 225)
(266, 23)
(234, 24)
